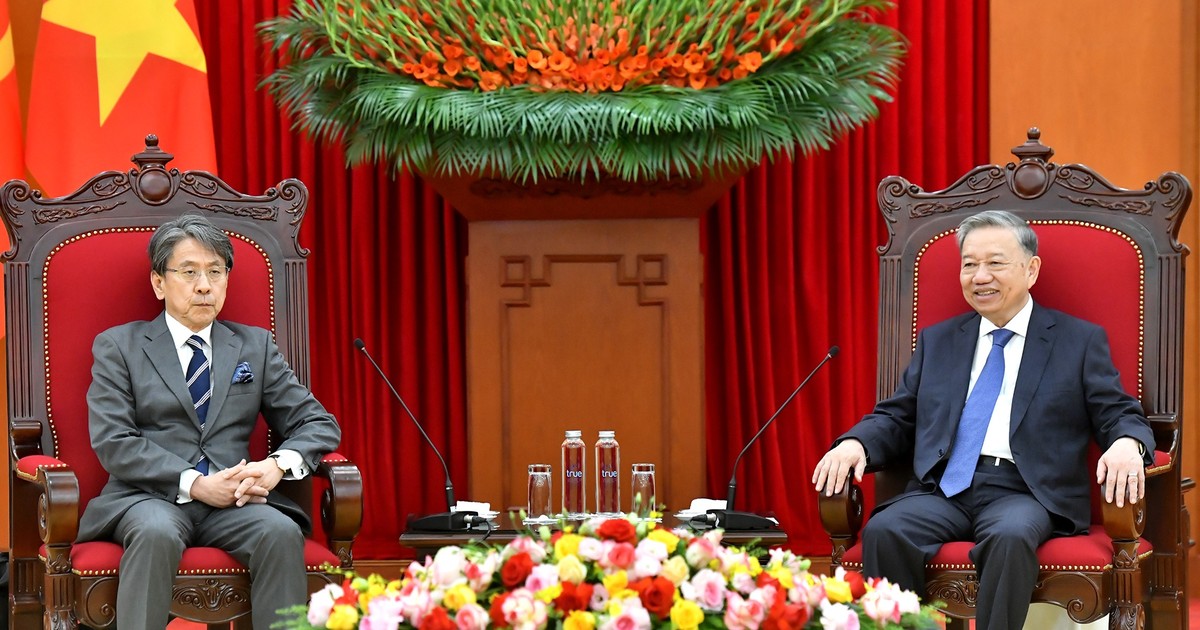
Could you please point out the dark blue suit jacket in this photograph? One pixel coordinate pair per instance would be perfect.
(1067, 392)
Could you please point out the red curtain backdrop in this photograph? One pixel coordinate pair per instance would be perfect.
(791, 270)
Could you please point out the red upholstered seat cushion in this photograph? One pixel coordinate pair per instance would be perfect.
(1089, 552)
(99, 558)
(28, 466)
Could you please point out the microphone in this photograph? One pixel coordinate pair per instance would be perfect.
(448, 521)
(731, 520)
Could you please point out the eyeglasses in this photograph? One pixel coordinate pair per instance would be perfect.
(190, 276)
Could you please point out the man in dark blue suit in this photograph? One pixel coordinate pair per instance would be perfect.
(999, 453)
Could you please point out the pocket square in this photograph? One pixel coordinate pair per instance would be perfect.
(242, 374)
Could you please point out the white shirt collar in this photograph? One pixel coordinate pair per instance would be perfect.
(181, 333)
(1019, 324)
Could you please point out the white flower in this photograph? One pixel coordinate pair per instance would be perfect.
(543, 576)
(447, 567)
(632, 617)
(471, 617)
(591, 548)
(523, 611)
(838, 617)
(321, 604)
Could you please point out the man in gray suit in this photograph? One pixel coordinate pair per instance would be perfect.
(171, 408)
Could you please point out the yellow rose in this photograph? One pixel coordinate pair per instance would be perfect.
(571, 569)
(567, 545)
(579, 620)
(665, 537)
(458, 596)
(550, 593)
(686, 615)
(343, 617)
(784, 576)
(615, 583)
(676, 570)
(837, 591)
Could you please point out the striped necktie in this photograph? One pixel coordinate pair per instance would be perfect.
(976, 415)
(199, 383)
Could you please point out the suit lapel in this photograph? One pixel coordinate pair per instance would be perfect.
(164, 356)
(1038, 342)
(960, 371)
(227, 347)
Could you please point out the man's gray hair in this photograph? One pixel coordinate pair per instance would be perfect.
(193, 226)
(1004, 219)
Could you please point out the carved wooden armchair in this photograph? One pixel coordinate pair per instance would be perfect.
(58, 300)
(1111, 257)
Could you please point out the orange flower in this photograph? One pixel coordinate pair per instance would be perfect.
(430, 60)
(602, 56)
(452, 67)
(697, 80)
(751, 61)
(559, 62)
(472, 63)
(693, 63)
(450, 51)
(489, 81)
(520, 64)
(536, 59)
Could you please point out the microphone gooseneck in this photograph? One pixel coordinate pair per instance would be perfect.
(833, 351)
(449, 520)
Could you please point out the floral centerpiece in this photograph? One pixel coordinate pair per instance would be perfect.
(613, 575)
(634, 89)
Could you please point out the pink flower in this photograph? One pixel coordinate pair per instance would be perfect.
(542, 576)
(415, 602)
(632, 617)
(523, 611)
(599, 598)
(534, 548)
(706, 588)
(480, 576)
(700, 552)
(744, 614)
(471, 617)
(618, 555)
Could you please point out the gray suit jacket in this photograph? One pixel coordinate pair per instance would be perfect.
(145, 431)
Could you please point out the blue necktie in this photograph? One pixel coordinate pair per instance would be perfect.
(199, 384)
(976, 415)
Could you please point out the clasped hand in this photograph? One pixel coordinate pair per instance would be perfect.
(236, 486)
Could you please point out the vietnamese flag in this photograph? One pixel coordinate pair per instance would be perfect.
(105, 74)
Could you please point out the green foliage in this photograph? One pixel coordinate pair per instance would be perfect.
(806, 98)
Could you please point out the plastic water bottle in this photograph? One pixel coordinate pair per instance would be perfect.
(608, 474)
(574, 463)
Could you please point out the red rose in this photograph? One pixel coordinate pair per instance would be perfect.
(617, 529)
(573, 597)
(496, 612)
(786, 617)
(857, 586)
(437, 619)
(764, 579)
(657, 595)
(515, 570)
(349, 595)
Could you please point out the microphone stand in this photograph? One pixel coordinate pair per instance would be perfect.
(450, 520)
(730, 519)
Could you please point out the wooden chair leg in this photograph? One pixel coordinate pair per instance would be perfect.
(954, 623)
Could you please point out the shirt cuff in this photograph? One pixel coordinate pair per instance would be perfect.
(186, 479)
(292, 463)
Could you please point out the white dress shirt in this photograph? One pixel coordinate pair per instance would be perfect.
(995, 442)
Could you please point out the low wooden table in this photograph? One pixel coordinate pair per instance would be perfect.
(427, 543)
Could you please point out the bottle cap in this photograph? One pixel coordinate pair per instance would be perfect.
(608, 434)
(574, 434)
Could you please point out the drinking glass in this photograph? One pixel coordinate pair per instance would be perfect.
(540, 495)
(642, 490)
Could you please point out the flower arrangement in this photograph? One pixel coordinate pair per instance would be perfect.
(613, 575)
(629, 88)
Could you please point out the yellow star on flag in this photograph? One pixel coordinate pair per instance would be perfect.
(7, 60)
(126, 31)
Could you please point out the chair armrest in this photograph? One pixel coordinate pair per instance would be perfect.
(341, 503)
(1123, 523)
(58, 504)
(842, 512)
